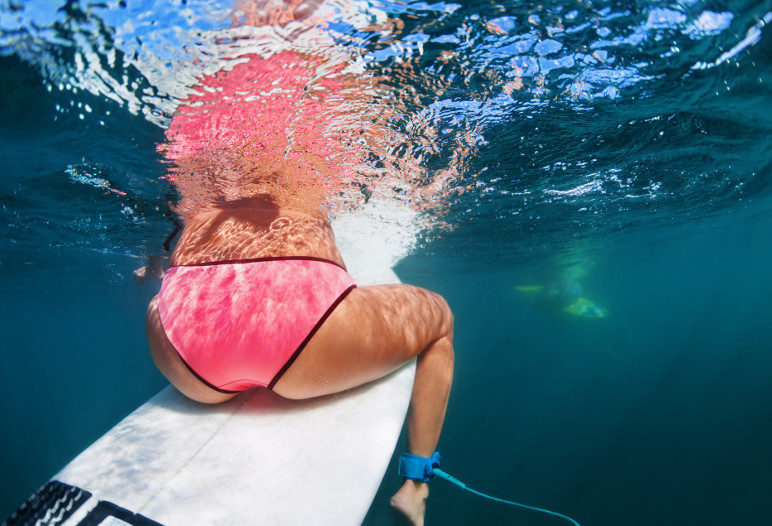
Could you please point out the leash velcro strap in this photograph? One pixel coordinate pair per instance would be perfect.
(418, 468)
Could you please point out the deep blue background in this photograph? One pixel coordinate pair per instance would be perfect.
(657, 414)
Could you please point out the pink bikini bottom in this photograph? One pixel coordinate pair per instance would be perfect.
(241, 324)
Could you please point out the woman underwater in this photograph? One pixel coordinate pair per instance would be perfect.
(257, 294)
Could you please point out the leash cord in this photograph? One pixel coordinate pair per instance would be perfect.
(454, 480)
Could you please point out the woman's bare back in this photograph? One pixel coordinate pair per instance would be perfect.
(250, 232)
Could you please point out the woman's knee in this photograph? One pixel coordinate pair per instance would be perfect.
(446, 354)
(450, 321)
(446, 318)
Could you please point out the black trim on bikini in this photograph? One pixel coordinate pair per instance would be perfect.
(177, 228)
(309, 336)
(303, 343)
(211, 386)
(268, 258)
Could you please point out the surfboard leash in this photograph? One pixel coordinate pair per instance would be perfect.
(424, 469)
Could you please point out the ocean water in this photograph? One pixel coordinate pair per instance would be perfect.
(594, 197)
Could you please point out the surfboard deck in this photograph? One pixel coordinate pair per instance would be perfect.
(256, 459)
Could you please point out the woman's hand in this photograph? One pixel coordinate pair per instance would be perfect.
(152, 270)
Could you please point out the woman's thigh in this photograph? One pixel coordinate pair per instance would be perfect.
(372, 332)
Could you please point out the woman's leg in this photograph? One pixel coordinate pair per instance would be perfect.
(371, 333)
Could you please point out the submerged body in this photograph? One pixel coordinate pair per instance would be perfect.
(258, 294)
(363, 334)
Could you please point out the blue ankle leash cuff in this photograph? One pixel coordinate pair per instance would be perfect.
(418, 468)
(424, 469)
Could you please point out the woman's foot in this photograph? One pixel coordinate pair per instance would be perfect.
(409, 503)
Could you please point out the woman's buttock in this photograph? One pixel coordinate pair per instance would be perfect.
(241, 325)
(171, 365)
(366, 333)
(240, 270)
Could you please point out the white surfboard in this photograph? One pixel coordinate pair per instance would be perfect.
(259, 458)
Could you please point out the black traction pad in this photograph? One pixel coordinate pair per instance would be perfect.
(56, 502)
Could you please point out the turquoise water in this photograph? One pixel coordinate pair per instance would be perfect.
(615, 163)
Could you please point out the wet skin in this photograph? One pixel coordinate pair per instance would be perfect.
(372, 332)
